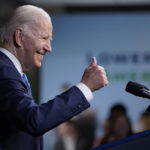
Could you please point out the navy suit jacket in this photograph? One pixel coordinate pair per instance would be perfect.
(22, 122)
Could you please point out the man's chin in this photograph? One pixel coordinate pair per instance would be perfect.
(38, 65)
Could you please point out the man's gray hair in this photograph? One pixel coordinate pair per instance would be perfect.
(23, 17)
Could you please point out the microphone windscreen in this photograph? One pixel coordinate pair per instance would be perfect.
(134, 88)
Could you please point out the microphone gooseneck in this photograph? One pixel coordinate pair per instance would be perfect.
(138, 89)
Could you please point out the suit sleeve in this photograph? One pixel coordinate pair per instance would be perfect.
(18, 107)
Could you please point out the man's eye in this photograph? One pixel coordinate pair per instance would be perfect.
(45, 38)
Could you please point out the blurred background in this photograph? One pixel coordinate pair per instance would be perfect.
(117, 33)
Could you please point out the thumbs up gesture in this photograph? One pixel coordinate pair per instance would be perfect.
(94, 76)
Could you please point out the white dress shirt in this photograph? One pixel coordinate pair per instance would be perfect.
(84, 89)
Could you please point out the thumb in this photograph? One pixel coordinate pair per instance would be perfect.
(94, 62)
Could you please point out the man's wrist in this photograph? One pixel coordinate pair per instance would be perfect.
(86, 91)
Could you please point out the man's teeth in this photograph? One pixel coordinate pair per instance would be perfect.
(40, 55)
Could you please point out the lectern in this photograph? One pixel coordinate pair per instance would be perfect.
(139, 141)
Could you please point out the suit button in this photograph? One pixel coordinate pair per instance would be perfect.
(79, 106)
(76, 108)
(73, 110)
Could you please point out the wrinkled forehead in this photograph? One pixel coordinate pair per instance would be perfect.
(41, 24)
(40, 19)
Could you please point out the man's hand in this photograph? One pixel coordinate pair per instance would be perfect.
(94, 76)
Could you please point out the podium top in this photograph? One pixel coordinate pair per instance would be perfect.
(137, 141)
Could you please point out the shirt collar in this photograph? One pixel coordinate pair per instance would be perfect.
(14, 60)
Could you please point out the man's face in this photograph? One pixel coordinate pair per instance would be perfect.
(36, 44)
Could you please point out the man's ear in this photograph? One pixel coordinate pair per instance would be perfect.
(18, 37)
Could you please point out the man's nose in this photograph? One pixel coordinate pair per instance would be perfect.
(48, 47)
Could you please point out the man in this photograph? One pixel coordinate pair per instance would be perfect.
(25, 40)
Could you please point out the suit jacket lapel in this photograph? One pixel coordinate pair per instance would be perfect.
(5, 61)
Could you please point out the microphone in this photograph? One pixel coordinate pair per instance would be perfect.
(138, 89)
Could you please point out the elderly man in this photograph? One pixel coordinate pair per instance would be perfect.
(25, 40)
